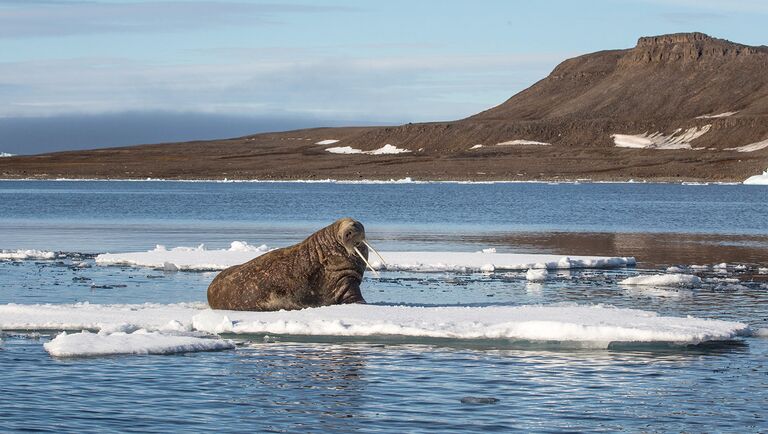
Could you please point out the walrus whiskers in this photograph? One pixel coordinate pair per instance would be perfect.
(370, 247)
(366, 262)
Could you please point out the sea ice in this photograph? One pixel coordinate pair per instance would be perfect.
(596, 323)
(685, 280)
(200, 258)
(26, 254)
(757, 179)
(140, 341)
(679, 139)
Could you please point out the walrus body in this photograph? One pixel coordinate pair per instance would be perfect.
(320, 271)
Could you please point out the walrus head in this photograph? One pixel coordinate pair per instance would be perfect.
(351, 235)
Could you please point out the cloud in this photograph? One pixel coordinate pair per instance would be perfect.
(381, 88)
(53, 18)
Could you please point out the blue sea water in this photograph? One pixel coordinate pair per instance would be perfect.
(335, 385)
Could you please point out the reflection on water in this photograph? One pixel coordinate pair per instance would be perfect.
(303, 387)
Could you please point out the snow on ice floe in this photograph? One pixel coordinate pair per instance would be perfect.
(719, 115)
(752, 147)
(679, 139)
(26, 254)
(200, 258)
(520, 142)
(757, 179)
(87, 344)
(384, 150)
(684, 280)
(562, 323)
(327, 142)
(186, 258)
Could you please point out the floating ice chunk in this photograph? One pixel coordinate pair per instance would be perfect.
(757, 179)
(520, 142)
(488, 268)
(139, 342)
(675, 270)
(536, 275)
(752, 147)
(327, 142)
(720, 266)
(760, 333)
(26, 254)
(762, 270)
(719, 115)
(678, 139)
(740, 267)
(551, 323)
(699, 267)
(686, 280)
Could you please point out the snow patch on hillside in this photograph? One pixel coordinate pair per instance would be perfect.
(679, 139)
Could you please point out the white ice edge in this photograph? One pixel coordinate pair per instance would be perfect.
(572, 323)
(682, 280)
(200, 258)
(87, 344)
(22, 254)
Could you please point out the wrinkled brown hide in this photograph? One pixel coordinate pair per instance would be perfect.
(319, 271)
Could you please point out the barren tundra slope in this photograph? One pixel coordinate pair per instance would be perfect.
(674, 107)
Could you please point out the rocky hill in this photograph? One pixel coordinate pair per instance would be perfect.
(674, 107)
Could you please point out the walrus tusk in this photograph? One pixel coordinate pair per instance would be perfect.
(376, 273)
(375, 251)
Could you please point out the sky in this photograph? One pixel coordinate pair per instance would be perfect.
(91, 73)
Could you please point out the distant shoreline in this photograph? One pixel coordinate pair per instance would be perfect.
(402, 181)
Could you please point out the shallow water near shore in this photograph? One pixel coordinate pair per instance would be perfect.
(300, 384)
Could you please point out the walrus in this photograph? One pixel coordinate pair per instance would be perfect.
(324, 269)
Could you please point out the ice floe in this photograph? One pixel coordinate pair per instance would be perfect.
(186, 258)
(757, 179)
(141, 341)
(536, 274)
(562, 323)
(520, 142)
(327, 142)
(684, 280)
(200, 258)
(26, 254)
(752, 147)
(719, 115)
(384, 150)
(678, 139)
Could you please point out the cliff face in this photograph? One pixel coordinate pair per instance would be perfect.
(678, 76)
